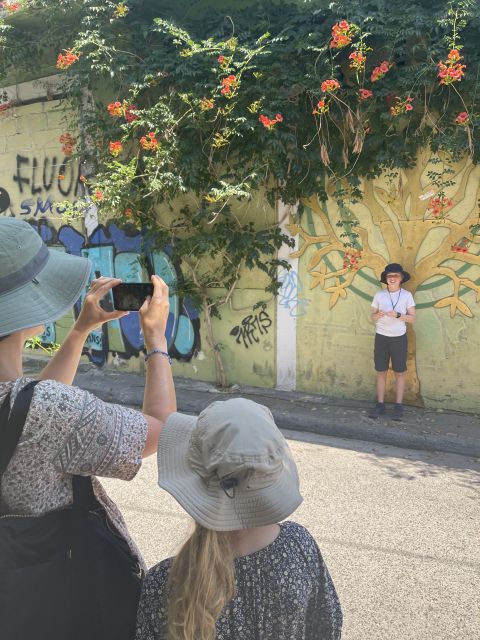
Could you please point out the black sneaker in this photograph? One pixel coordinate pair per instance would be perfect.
(377, 411)
(397, 412)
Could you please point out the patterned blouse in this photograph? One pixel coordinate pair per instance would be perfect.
(70, 431)
(283, 592)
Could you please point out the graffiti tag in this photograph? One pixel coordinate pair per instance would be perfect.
(290, 294)
(115, 252)
(251, 327)
(35, 178)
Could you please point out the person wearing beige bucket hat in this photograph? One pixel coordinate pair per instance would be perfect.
(58, 438)
(241, 575)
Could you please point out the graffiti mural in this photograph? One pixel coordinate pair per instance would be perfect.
(35, 178)
(115, 252)
(251, 327)
(290, 294)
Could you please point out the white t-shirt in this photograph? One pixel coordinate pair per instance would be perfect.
(400, 301)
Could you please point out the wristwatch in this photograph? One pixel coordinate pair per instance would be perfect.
(398, 314)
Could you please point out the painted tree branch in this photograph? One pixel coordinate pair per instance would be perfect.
(454, 301)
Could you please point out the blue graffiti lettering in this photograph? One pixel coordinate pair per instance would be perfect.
(26, 207)
(43, 207)
(115, 252)
(290, 294)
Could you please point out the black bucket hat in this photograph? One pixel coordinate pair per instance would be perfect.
(394, 267)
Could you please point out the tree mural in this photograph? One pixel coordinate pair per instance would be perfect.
(344, 107)
(427, 221)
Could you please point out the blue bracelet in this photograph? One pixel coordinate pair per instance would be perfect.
(162, 353)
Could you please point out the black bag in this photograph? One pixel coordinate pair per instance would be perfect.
(67, 574)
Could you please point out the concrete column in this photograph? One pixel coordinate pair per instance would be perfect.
(286, 342)
(91, 213)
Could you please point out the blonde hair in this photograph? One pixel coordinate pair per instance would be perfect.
(201, 583)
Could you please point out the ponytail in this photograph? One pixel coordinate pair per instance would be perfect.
(201, 583)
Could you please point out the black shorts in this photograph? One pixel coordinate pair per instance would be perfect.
(394, 348)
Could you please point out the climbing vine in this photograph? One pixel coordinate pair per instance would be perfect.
(273, 96)
(294, 100)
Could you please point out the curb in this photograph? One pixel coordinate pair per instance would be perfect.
(291, 410)
(334, 417)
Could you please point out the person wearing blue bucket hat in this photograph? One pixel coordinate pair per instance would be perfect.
(67, 437)
(392, 309)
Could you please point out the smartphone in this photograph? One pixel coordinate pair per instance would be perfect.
(129, 296)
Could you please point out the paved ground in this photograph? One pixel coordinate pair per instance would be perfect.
(398, 528)
(453, 432)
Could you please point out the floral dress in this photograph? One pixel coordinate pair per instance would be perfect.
(70, 431)
(283, 592)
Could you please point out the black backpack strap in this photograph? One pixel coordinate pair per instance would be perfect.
(12, 423)
(11, 428)
(83, 495)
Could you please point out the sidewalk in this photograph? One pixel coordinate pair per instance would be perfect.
(453, 432)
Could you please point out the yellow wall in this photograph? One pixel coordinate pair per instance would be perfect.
(29, 146)
(329, 305)
(31, 158)
(395, 224)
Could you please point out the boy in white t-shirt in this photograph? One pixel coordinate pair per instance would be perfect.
(392, 308)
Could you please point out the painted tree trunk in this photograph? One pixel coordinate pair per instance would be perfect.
(398, 220)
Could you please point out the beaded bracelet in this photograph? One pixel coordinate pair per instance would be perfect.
(162, 353)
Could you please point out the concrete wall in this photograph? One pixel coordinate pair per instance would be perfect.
(36, 178)
(317, 336)
(395, 224)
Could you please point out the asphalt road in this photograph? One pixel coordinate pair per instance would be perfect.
(399, 530)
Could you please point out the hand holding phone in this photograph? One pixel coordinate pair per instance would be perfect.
(96, 308)
(154, 315)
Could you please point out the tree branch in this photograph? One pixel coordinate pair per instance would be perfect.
(454, 301)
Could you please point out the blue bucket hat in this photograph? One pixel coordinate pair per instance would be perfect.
(37, 284)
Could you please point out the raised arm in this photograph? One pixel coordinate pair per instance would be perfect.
(63, 365)
(159, 398)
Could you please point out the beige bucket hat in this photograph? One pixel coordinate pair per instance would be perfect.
(230, 468)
